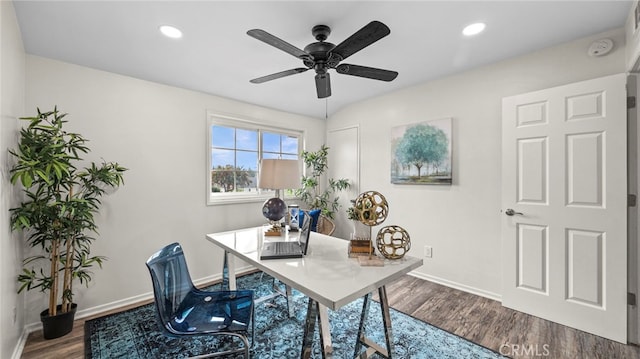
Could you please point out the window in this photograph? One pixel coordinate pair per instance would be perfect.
(235, 150)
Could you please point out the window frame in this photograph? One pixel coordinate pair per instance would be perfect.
(260, 195)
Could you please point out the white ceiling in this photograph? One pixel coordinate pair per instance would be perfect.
(216, 56)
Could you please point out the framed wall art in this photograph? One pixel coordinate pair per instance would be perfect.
(421, 153)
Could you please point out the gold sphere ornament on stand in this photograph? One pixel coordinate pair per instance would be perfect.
(372, 209)
(393, 242)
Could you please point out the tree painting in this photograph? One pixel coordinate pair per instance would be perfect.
(421, 153)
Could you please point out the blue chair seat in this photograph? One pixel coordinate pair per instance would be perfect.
(210, 312)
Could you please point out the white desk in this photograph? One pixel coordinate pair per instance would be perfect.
(326, 275)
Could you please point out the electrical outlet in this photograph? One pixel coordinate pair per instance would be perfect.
(428, 251)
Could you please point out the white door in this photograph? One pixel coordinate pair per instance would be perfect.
(633, 281)
(564, 225)
(344, 150)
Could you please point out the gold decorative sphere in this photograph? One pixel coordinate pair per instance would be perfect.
(372, 208)
(393, 242)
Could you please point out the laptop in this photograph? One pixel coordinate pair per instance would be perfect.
(280, 250)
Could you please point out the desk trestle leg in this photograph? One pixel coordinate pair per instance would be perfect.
(228, 272)
(323, 316)
(371, 346)
(325, 334)
(287, 294)
(386, 319)
(309, 327)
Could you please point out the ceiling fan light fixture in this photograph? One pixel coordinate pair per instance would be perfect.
(474, 29)
(170, 31)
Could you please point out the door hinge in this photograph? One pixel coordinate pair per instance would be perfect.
(631, 102)
(631, 299)
(632, 200)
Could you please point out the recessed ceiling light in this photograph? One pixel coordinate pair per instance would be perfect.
(170, 31)
(473, 29)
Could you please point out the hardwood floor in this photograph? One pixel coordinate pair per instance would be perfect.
(480, 320)
(488, 323)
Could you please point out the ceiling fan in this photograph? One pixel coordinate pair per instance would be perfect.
(322, 56)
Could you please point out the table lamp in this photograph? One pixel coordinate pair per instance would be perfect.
(277, 174)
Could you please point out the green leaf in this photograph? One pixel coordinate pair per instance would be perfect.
(57, 169)
(26, 179)
(15, 177)
(24, 221)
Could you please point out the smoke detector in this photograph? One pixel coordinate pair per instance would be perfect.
(600, 47)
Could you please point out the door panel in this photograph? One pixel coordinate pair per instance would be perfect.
(564, 245)
(585, 175)
(585, 256)
(532, 170)
(585, 106)
(533, 258)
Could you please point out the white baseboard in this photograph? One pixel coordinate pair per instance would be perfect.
(459, 286)
(113, 305)
(17, 351)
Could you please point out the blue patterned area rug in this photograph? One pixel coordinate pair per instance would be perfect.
(135, 333)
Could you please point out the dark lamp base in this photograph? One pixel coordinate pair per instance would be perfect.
(274, 209)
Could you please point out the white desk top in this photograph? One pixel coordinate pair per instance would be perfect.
(326, 273)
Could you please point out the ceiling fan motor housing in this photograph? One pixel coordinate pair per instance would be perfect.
(319, 50)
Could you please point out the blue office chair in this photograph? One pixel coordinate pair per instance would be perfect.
(183, 310)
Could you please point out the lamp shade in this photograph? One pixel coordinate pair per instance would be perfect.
(279, 174)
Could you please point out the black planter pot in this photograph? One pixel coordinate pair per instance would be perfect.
(59, 324)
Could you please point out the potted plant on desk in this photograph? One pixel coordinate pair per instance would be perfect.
(57, 214)
(310, 193)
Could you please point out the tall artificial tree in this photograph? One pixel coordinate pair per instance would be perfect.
(61, 199)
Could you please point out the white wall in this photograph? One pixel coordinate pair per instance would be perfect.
(462, 221)
(159, 133)
(632, 36)
(12, 71)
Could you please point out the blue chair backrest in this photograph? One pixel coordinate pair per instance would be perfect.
(171, 280)
(314, 216)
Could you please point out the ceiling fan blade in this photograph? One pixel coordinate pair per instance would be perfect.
(368, 72)
(277, 43)
(370, 33)
(278, 75)
(323, 85)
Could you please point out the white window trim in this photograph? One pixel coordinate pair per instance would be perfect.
(249, 124)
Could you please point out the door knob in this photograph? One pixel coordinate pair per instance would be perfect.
(511, 212)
